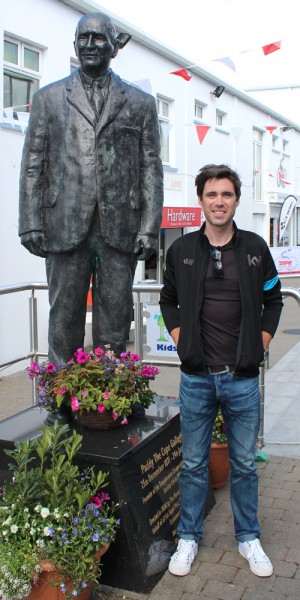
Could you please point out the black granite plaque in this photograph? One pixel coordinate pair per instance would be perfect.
(143, 459)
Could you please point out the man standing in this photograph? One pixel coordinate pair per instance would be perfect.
(91, 191)
(221, 302)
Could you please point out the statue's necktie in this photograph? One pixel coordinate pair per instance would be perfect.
(97, 99)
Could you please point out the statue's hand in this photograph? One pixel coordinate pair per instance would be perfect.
(145, 245)
(35, 243)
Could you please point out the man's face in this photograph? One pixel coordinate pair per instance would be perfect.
(93, 46)
(219, 201)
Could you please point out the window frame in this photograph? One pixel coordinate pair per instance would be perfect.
(165, 146)
(17, 71)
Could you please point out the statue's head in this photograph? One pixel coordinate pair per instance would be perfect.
(95, 43)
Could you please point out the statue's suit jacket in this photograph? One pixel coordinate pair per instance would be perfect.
(72, 162)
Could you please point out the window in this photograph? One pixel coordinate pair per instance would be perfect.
(257, 164)
(220, 118)
(22, 67)
(285, 146)
(163, 110)
(275, 142)
(199, 110)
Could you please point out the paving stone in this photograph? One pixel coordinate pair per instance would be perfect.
(287, 586)
(283, 568)
(223, 591)
(217, 572)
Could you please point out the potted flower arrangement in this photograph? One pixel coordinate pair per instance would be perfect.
(55, 520)
(219, 465)
(99, 388)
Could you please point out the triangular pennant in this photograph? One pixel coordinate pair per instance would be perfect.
(182, 73)
(9, 112)
(143, 84)
(270, 128)
(202, 131)
(236, 132)
(226, 61)
(269, 48)
(165, 127)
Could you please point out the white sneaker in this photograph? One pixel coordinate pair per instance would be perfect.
(182, 560)
(258, 561)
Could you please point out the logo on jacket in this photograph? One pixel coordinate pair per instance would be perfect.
(188, 261)
(254, 261)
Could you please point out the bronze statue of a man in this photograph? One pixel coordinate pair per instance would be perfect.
(91, 191)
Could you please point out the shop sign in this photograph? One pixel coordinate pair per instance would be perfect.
(287, 260)
(181, 217)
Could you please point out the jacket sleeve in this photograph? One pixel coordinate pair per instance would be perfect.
(272, 297)
(168, 297)
(151, 172)
(32, 170)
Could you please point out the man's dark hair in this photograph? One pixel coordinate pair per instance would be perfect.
(209, 172)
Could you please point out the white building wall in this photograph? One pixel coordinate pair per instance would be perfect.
(51, 24)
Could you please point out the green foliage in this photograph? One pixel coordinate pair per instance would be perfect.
(219, 435)
(51, 510)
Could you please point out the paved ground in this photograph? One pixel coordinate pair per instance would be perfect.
(219, 572)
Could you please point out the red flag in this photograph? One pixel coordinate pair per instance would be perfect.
(182, 73)
(202, 131)
(269, 48)
(271, 128)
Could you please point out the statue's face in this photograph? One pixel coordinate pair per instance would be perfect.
(93, 45)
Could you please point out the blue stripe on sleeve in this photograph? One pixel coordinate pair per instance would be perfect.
(271, 283)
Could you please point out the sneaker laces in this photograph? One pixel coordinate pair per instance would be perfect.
(184, 547)
(256, 552)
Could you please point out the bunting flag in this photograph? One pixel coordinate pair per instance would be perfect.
(271, 128)
(226, 61)
(165, 128)
(269, 48)
(236, 132)
(143, 84)
(202, 131)
(182, 73)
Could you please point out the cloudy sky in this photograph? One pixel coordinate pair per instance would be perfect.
(211, 29)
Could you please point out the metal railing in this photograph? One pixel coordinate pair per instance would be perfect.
(138, 289)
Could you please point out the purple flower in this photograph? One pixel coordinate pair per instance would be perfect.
(95, 537)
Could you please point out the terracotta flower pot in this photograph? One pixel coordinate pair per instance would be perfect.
(43, 590)
(218, 465)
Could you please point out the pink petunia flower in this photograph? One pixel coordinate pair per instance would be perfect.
(96, 500)
(50, 368)
(99, 351)
(114, 415)
(101, 408)
(82, 357)
(135, 357)
(149, 371)
(106, 395)
(62, 390)
(75, 403)
(84, 394)
(124, 422)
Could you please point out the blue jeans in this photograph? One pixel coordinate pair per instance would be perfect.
(239, 399)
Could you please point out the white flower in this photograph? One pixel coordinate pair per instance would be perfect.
(5, 532)
(8, 521)
(45, 512)
(26, 526)
(14, 528)
(38, 508)
(46, 531)
(32, 531)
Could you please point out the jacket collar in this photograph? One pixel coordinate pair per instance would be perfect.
(77, 96)
(235, 236)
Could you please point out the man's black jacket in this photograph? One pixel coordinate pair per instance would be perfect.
(182, 296)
